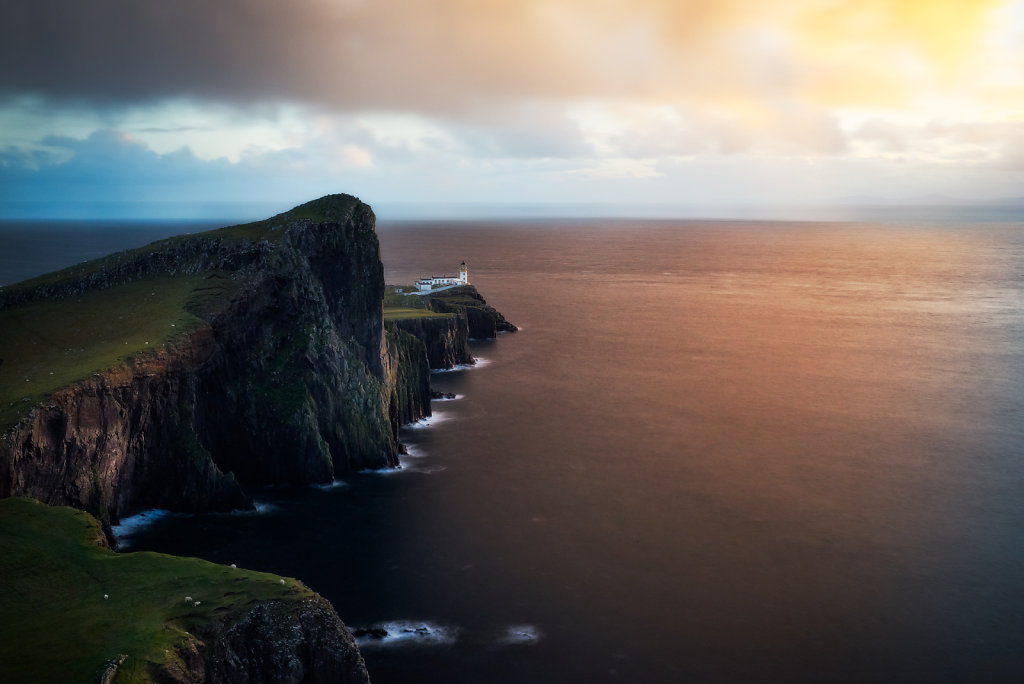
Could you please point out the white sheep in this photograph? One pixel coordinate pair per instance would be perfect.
(106, 596)
(188, 599)
(196, 604)
(233, 565)
(282, 581)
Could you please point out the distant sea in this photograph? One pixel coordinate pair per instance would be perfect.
(718, 451)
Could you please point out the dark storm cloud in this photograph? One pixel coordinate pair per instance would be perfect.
(458, 56)
(120, 51)
(407, 54)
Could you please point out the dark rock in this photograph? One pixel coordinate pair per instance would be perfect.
(278, 641)
(291, 378)
(483, 321)
(445, 338)
(434, 394)
(408, 377)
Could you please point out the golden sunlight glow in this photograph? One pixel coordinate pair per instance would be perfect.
(597, 88)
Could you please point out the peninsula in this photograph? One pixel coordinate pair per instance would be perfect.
(182, 374)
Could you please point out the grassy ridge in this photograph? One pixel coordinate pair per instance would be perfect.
(55, 625)
(394, 313)
(337, 208)
(398, 306)
(51, 344)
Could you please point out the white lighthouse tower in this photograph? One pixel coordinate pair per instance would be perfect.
(463, 273)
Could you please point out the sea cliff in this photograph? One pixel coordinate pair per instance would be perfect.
(179, 375)
(75, 611)
(445, 321)
(254, 354)
(275, 371)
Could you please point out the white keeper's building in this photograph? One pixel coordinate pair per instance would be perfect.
(427, 284)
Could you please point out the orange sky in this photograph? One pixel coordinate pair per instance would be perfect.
(679, 100)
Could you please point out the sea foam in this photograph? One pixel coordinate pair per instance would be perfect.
(430, 421)
(410, 633)
(132, 524)
(519, 634)
(333, 484)
(478, 363)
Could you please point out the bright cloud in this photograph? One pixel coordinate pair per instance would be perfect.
(529, 96)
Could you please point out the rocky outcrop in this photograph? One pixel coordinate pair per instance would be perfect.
(294, 640)
(119, 438)
(409, 376)
(300, 394)
(290, 376)
(289, 379)
(249, 626)
(283, 641)
(446, 338)
(483, 321)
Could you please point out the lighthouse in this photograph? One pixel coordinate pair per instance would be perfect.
(463, 273)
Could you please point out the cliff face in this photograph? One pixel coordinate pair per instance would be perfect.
(409, 377)
(286, 378)
(445, 338)
(483, 321)
(279, 641)
(119, 439)
(299, 393)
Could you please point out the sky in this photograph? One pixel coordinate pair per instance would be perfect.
(409, 103)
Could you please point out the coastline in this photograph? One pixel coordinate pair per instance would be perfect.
(369, 378)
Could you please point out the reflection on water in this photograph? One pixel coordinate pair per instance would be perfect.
(716, 452)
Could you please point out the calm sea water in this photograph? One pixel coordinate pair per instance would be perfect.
(716, 452)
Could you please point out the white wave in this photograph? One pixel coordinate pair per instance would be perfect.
(385, 472)
(131, 525)
(412, 451)
(457, 396)
(430, 421)
(410, 633)
(426, 470)
(334, 484)
(258, 508)
(519, 634)
(478, 362)
(407, 464)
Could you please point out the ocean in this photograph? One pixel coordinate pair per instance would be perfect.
(717, 451)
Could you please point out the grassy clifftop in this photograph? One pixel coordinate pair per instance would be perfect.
(51, 344)
(62, 327)
(330, 208)
(56, 625)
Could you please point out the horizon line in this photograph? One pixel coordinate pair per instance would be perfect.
(244, 210)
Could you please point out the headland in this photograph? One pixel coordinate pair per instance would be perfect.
(182, 374)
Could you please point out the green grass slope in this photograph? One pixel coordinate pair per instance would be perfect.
(49, 344)
(56, 625)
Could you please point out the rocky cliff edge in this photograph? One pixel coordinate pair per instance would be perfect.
(265, 361)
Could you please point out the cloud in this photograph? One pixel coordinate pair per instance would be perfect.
(427, 97)
(106, 166)
(993, 145)
(452, 55)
